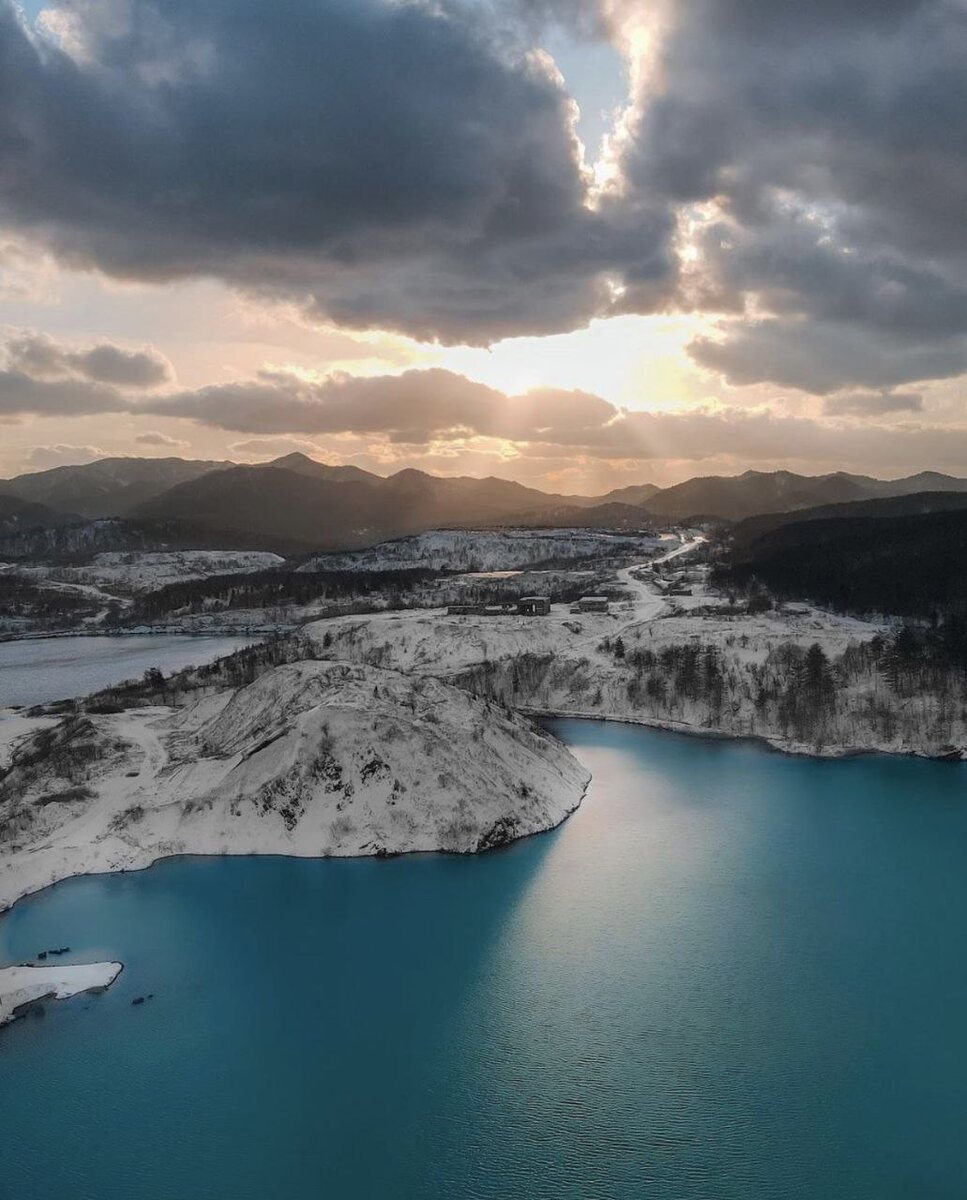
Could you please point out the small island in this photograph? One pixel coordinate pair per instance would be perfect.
(23, 986)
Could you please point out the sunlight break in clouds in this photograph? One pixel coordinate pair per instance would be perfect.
(701, 251)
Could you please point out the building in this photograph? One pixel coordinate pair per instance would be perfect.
(529, 606)
(533, 606)
(591, 604)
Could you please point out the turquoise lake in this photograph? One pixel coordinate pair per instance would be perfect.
(729, 975)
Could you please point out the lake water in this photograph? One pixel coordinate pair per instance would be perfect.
(729, 975)
(41, 670)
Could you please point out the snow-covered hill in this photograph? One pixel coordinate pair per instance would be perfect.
(136, 571)
(678, 662)
(486, 550)
(310, 759)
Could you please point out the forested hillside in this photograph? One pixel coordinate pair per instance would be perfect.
(908, 566)
(918, 504)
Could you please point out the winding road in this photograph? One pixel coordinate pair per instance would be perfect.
(648, 603)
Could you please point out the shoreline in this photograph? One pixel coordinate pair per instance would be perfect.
(228, 631)
(7, 907)
(25, 985)
(762, 741)
(429, 768)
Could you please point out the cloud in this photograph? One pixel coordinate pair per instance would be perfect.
(412, 165)
(42, 377)
(820, 357)
(872, 404)
(273, 447)
(26, 272)
(20, 395)
(41, 458)
(437, 412)
(403, 165)
(162, 440)
(415, 407)
(40, 357)
(419, 171)
(818, 156)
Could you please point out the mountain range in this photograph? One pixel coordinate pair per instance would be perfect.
(294, 504)
(109, 487)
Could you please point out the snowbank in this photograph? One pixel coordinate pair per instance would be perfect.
(20, 986)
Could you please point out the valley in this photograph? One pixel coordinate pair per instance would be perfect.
(385, 701)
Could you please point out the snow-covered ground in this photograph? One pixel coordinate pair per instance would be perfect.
(14, 727)
(407, 733)
(633, 664)
(311, 759)
(23, 985)
(129, 572)
(403, 735)
(486, 550)
(430, 642)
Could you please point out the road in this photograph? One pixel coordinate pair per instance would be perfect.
(648, 603)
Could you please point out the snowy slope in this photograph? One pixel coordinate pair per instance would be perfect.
(311, 759)
(567, 664)
(485, 550)
(134, 571)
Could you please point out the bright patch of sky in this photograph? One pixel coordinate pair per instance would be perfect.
(596, 76)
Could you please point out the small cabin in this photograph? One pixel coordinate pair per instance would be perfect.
(591, 604)
(533, 606)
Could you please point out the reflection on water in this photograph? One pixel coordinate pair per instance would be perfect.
(731, 974)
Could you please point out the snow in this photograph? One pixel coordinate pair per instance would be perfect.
(137, 571)
(405, 733)
(312, 759)
(409, 733)
(23, 985)
(562, 664)
(14, 726)
(485, 550)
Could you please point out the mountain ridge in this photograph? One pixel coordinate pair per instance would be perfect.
(296, 504)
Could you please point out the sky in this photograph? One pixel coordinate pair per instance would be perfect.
(576, 243)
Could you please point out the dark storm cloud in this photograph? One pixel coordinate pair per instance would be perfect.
(408, 165)
(390, 163)
(831, 139)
